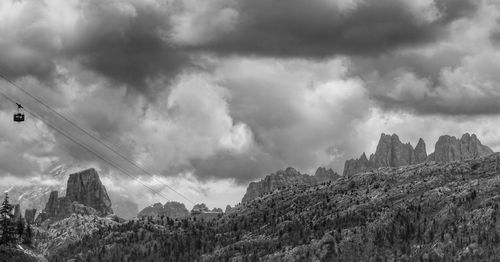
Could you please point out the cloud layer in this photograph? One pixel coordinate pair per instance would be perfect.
(223, 92)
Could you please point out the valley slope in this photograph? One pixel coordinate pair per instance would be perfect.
(430, 211)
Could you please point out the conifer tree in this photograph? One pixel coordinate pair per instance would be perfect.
(6, 224)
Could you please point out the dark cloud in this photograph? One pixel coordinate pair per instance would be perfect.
(320, 28)
(129, 47)
(126, 41)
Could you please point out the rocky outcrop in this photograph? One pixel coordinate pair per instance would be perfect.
(200, 207)
(85, 195)
(17, 212)
(449, 148)
(420, 152)
(354, 166)
(322, 174)
(29, 215)
(285, 178)
(170, 209)
(86, 188)
(391, 152)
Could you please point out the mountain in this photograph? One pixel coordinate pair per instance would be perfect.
(432, 211)
(85, 194)
(449, 148)
(35, 195)
(391, 152)
(285, 178)
(171, 209)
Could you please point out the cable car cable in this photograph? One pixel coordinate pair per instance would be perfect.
(87, 148)
(95, 138)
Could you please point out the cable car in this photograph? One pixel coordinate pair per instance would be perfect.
(19, 117)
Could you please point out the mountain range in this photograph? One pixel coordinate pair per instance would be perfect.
(391, 152)
(398, 205)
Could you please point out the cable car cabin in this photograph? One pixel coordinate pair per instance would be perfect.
(19, 117)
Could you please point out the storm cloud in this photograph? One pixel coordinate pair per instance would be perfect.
(318, 28)
(223, 92)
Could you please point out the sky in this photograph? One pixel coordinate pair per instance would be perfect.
(208, 96)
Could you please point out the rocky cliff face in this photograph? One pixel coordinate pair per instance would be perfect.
(29, 215)
(86, 188)
(170, 209)
(391, 152)
(449, 148)
(420, 152)
(287, 177)
(85, 195)
(354, 166)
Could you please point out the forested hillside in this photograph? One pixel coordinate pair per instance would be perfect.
(424, 212)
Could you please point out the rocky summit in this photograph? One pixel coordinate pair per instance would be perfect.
(287, 177)
(86, 188)
(85, 195)
(449, 148)
(391, 152)
(171, 209)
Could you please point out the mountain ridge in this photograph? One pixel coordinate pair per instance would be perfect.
(391, 152)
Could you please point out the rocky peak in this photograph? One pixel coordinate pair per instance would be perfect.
(420, 152)
(85, 195)
(390, 152)
(285, 178)
(201, 207)
(322, 174)
(354, 166)
(450, 148)
(171, 209)
(86, 188)
(29, 215)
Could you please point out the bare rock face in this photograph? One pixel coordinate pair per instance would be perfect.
(201, 207)
(285, 178)
(86, 188)
(354, 166)
(322, 174)
(17, 212)
(175, 210)
(85, 195)
(170, 209)
(391, 152)
(151, 211)
(449, 148)
(420, 152)
(29, 215)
